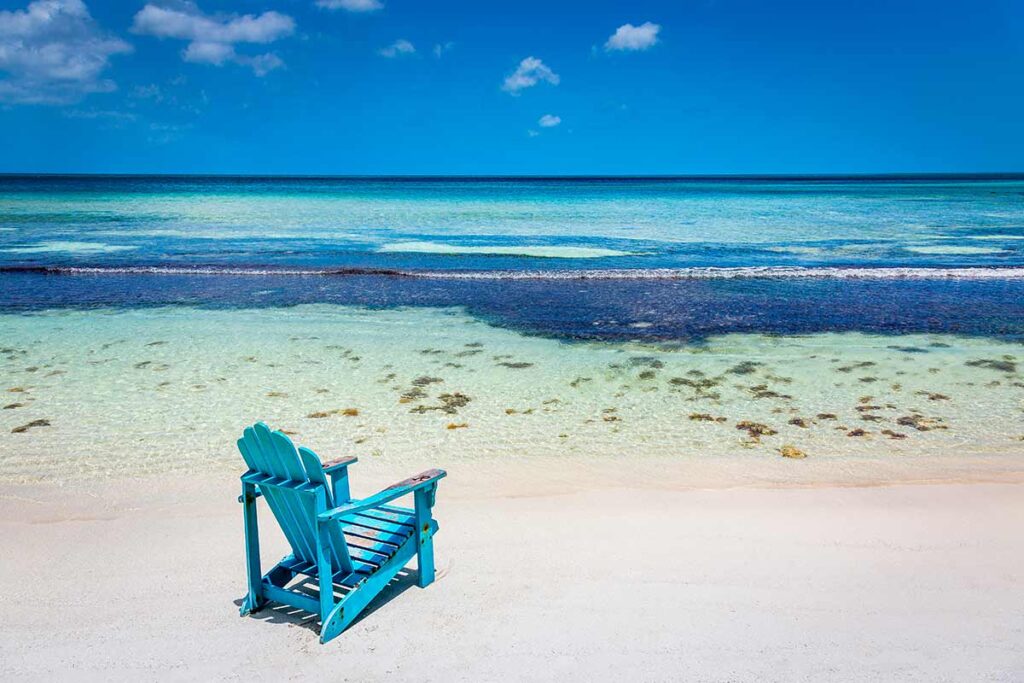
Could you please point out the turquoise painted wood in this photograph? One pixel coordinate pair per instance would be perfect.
(351, 547)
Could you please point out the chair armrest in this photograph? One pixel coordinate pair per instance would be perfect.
(332, 465)
(421, 481)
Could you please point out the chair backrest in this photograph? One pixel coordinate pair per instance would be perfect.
(290, 492)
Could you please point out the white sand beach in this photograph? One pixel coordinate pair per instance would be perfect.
(552, 570)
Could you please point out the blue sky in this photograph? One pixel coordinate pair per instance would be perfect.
(525, 87)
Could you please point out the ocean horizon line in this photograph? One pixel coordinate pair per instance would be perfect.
(696, 177)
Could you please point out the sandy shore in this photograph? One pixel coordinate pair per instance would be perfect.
(547, 572)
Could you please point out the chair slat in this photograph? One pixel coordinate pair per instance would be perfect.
(373, 534)
(386, 516)
(291, 505)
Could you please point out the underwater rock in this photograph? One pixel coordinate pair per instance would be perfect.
(12, 406)
(768, 393)
(425, 381)
(747, 367)
(789, 451)
(868, 380)
(699, 384)
(869, 417)
(799, 422)
(460, 425)
(855, 366)
(431, 352)
(907, 349)
(755, 429)
(857, 432)
(277, 394)
(705, 417)
(474, 345)
(647, 374)
(467, 353)
(30, 425)
(921, 423)
(412, 395)
(868, 407)
(894, 435)
(827, 416)
(347, 412)
(646, 362)
(450, 404)
(580, 380)
(1002, 365)
(516, 365)
(156, 343)
(17, 390)
(454, 401)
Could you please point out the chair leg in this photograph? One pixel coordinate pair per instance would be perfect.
(424, 539)
(254, 598)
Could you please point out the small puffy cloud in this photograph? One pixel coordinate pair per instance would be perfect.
(53, 52)
(351, 5)
(397, 49)
(629, 37)
(212, 38)
(529, 73)
(549, 121)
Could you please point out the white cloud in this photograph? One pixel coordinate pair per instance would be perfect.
(529, 73)
(441, 48)
(53, 52)
(629, 37)
(549, 121)
(397, 49)
(212, 38)
(351, 5)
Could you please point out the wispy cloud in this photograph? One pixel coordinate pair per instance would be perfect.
(54, 53)
(100, 114)
(351, 5)
(549, 121)
(529, 73)
(631, 38)
(212, 38)
(397, 49)
(441, 48)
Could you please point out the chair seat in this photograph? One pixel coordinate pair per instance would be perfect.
(373, 536)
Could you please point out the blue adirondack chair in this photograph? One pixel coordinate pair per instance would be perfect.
(354, 547)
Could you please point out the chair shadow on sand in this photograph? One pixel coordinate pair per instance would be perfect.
(276, 613)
